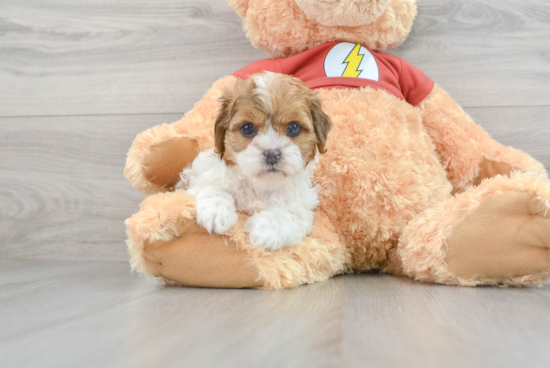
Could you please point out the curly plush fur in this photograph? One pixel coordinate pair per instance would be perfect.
(281, 28)
(349, 13)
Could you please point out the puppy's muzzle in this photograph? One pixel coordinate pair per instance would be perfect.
(272, 157)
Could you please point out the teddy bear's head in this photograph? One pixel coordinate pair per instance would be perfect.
(288, 27)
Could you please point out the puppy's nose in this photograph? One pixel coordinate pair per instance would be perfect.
(272, 157)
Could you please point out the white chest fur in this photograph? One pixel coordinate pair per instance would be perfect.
(281, 210)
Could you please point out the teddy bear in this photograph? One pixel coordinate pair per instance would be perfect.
(409, 184)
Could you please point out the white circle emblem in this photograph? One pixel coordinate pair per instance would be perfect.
(351, 60)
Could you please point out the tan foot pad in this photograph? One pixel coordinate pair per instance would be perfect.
(201, 260)
(167, 160)
(507, 236)
(490, 169)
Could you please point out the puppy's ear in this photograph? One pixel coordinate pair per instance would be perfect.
(321, 123)
(222, 121)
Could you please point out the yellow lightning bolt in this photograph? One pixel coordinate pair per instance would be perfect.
(354, 60)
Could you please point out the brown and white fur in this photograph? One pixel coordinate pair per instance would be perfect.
(261, 166)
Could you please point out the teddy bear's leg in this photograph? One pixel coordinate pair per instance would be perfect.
(165, 241)
(159, 154)
(467, 152)
(497, 233)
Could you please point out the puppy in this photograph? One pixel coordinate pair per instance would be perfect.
(268, 132)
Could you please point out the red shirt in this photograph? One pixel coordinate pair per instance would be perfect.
(348, 65)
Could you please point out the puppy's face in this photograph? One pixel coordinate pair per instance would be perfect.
(271, 126)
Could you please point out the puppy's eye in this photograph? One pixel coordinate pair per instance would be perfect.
(248, 130)
(294, 130)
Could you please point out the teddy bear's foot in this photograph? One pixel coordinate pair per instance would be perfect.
(164, 240)
(496, 234)
(199, 259)
(507, 236)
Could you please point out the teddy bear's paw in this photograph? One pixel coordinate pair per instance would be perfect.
(274, 229)
(217, 212)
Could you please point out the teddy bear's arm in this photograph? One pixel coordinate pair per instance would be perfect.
(158, 155)
(466, 150)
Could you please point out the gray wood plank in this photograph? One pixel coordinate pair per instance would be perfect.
(484, 52)
(524, 128)
(395, 322)
(63, 195)
(103, 316)
(65, 57)
(66, 314)
(62, 190)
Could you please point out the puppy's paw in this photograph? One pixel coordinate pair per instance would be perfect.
(217, 214)
(273, 230)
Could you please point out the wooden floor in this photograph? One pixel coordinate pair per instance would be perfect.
(80, 78)
(96, 314)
